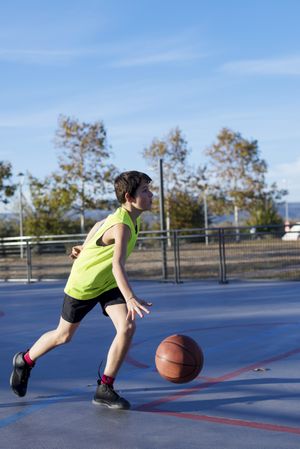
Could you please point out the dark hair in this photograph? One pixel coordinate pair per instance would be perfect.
(129, 182)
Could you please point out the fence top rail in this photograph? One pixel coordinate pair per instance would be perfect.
(192, 236)
(64, 237)
(34, 241)
(45, 237)
(17, 244)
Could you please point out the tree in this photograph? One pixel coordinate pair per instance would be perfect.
(197, 184)
(7, 188)
(9, 227)
(186, 211)
(173, 150)
(83, 164)
(50, 203)
(263, 211)
(237, 172)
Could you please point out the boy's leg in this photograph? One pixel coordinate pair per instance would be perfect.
(48, 341)
(105, 394)
(22, 366)
(124, 333)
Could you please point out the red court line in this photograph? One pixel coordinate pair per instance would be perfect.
(135, 362)
(218, 380)
(224, 326)
(132, 361)
(231, 422)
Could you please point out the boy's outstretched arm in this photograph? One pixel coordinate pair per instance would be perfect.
(134, 304)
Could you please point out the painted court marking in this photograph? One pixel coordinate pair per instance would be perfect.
(208, 383)
(231, 422)
(134, 362)
(152, 406)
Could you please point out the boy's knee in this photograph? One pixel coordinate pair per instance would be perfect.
(128, 328)
(132, 327)
(64, 338)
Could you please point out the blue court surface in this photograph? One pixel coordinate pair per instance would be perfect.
(247, 395)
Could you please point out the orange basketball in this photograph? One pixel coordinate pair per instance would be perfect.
(179, 359)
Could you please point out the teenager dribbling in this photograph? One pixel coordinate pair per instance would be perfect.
(98, 276)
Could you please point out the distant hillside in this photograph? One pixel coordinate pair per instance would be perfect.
(293, 214)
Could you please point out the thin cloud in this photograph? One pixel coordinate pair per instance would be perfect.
(163, 57)
(278, 66)
(128, 53)
(112, 52)
(42, 56)
(153, 51)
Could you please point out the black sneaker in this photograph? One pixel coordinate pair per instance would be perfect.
(20, 375)
(106, 395)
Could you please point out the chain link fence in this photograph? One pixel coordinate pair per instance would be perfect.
(222, 254)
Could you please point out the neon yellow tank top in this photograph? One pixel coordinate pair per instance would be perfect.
(91, 273)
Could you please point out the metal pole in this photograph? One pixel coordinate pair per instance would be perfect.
(162, 219)
(161, 197)
(82, 222)
(237, 224)
(175, 257)
(205, 217)
(29, 262)
(21, 179)
(222, 258)
(178, 257)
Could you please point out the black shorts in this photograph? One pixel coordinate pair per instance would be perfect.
(74, 310)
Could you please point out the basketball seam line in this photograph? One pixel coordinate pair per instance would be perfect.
(177, 363)
(184, 347)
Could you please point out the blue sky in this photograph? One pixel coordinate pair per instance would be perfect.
(144, 67)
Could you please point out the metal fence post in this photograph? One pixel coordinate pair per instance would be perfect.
(29, 262)
(222, 258)
(176, 257)
(164, 266)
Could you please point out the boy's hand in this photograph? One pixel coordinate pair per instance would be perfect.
(137, 306)
(76, 250)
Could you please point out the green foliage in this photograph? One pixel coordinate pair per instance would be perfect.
(183, 187)
(9, 227)
(51, 201)
(82, 178)
(83, 163)
(7, 188)
(237, 177)
(263, 210)
(236, 170)
(185, 211)
(173, 150)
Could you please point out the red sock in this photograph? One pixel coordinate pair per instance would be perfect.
(107, 380)
(28, 359)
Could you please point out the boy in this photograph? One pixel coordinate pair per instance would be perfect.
(98, 276)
